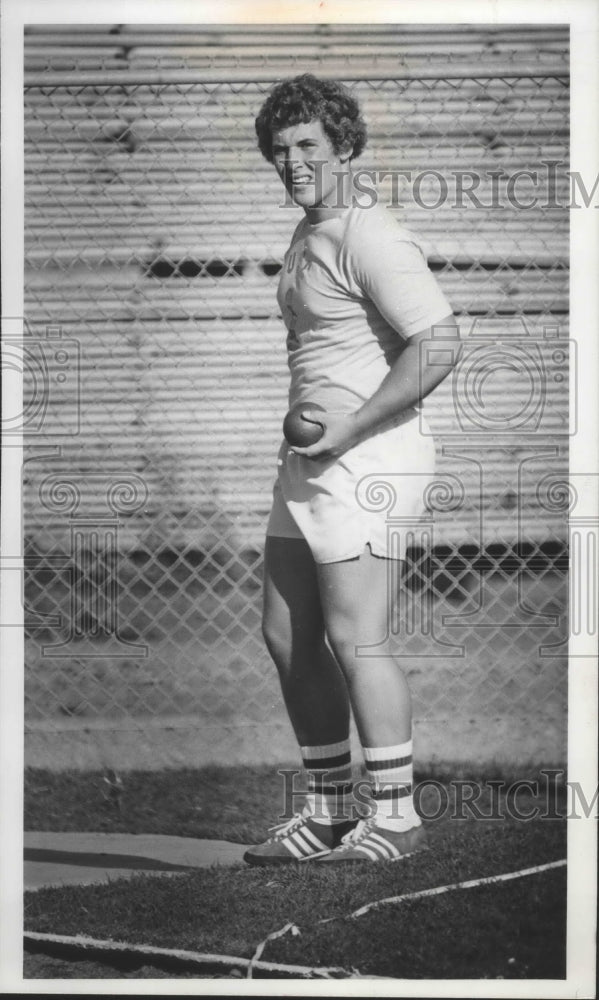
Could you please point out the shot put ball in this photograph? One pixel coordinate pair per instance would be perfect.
(301, 432)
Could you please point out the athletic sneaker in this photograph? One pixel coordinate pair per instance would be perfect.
(298, 839)
(368, 842)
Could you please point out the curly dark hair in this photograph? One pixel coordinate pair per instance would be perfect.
(306, 98)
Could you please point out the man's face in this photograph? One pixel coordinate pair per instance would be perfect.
(307, 164)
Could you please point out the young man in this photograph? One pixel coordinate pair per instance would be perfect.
(358, 299)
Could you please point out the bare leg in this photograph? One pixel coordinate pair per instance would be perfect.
(316, 697)
(356, 605)
(313, 687)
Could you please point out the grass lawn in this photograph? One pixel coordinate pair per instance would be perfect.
(227, 803)
(512, 930)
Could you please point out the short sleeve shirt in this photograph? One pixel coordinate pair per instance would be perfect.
(352, 290)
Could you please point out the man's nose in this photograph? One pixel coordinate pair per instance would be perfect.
(293, 160)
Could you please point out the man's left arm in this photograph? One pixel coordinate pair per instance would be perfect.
(414, 374)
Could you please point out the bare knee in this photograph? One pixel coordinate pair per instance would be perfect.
(343, 641)
(348, 640)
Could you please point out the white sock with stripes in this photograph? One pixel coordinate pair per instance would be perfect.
(330, 790)
(391, 772)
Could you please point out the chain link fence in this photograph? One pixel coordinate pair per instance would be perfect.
(156, 387)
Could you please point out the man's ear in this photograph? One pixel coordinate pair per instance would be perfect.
(346, 152)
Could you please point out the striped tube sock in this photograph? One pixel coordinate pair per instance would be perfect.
(390, 770)
(330, 790)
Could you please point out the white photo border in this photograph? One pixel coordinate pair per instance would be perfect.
(583, 19)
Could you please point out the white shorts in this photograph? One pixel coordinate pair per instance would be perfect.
(373, 495)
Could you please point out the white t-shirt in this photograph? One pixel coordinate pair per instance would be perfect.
(352, 289)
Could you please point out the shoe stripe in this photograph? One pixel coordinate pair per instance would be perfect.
(381, 849)
(303, 842)
(313, 839)
(288, 843)
(301, 845)
(366, 850)
(389, 846)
